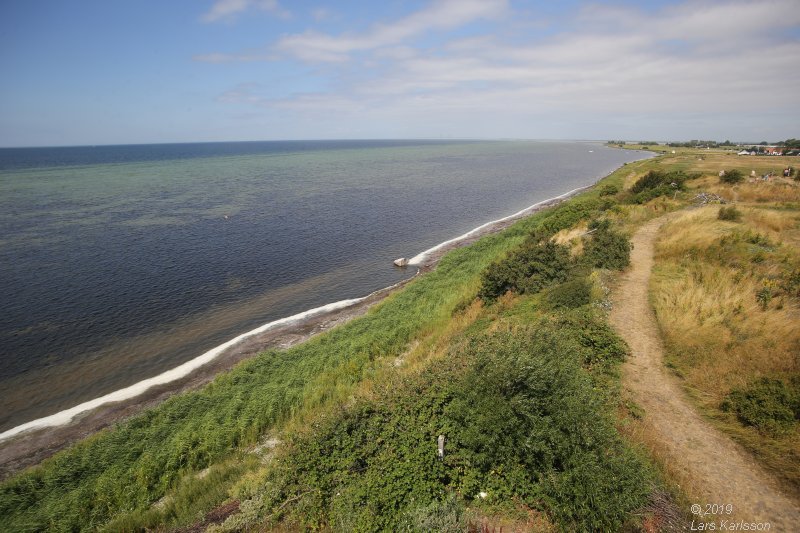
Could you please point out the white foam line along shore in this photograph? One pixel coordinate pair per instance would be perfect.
(420, 258)
(64, 417)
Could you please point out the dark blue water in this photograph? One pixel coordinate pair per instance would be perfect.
(120, 262)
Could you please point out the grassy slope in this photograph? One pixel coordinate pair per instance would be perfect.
(709, 273)
(528, 422)
(123, 471)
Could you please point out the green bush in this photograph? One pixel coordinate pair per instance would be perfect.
(608, 190)
(570, 294)
(769, 405)
(729, 213)
(657, 178)
(658, 183)
(598, 343)
(606, 248)
(527, 270)
(522, 420)
(732, 176)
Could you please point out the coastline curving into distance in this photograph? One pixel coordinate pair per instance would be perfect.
(66, 416)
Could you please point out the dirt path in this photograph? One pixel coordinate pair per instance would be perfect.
(720, 471)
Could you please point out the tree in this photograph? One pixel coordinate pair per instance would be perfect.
(732, 176)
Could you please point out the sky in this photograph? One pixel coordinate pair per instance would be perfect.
(128, 72)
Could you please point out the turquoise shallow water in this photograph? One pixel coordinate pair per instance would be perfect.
(118, 263)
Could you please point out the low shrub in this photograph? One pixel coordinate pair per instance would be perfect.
(732, 176)
(657, 178)
(790, 282)
(522, 420)
(598, 343)
(729, 213)
(606, 248)
(769, 405)
(608, 190)
(570, 294)
(527, 270)
(658, 183)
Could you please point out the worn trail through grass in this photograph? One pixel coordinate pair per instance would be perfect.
(718, 470)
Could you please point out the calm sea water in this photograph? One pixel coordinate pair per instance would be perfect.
(120, 262)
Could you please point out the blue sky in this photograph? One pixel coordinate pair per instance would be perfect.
(114, 72)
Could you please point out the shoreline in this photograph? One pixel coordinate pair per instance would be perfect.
(30, 443)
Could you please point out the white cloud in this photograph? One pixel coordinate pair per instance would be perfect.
(688, 60)
(228, 10)
(314, 46)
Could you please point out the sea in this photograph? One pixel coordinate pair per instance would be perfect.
(119, 263)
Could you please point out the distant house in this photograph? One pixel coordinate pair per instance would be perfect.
(744, 152)
(773, 150)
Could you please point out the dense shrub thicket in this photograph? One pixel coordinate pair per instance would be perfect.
(659, 183)
(606, 248)
(537, 264)
(540, 263)
(521, 418)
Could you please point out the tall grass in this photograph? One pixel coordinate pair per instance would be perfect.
(728, 320)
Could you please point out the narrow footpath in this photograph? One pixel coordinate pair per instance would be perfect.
(721, 472)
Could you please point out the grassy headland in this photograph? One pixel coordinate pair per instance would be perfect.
(503, 349)
(726, 290)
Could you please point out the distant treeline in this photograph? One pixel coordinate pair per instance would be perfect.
(695, 143)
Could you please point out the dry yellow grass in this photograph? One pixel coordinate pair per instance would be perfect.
(718, 335)
(572, 238)
(632, 178)
(755, 192)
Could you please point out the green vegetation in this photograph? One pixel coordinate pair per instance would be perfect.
(571, 294)
(116, 476)
(770, 405)
(732, 176)
(524, 420)
(659, 183)
(523, 398)
(606, 248)
(608, 190)
(539, 263)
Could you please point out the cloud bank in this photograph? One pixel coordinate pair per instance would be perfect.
(470, 66)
